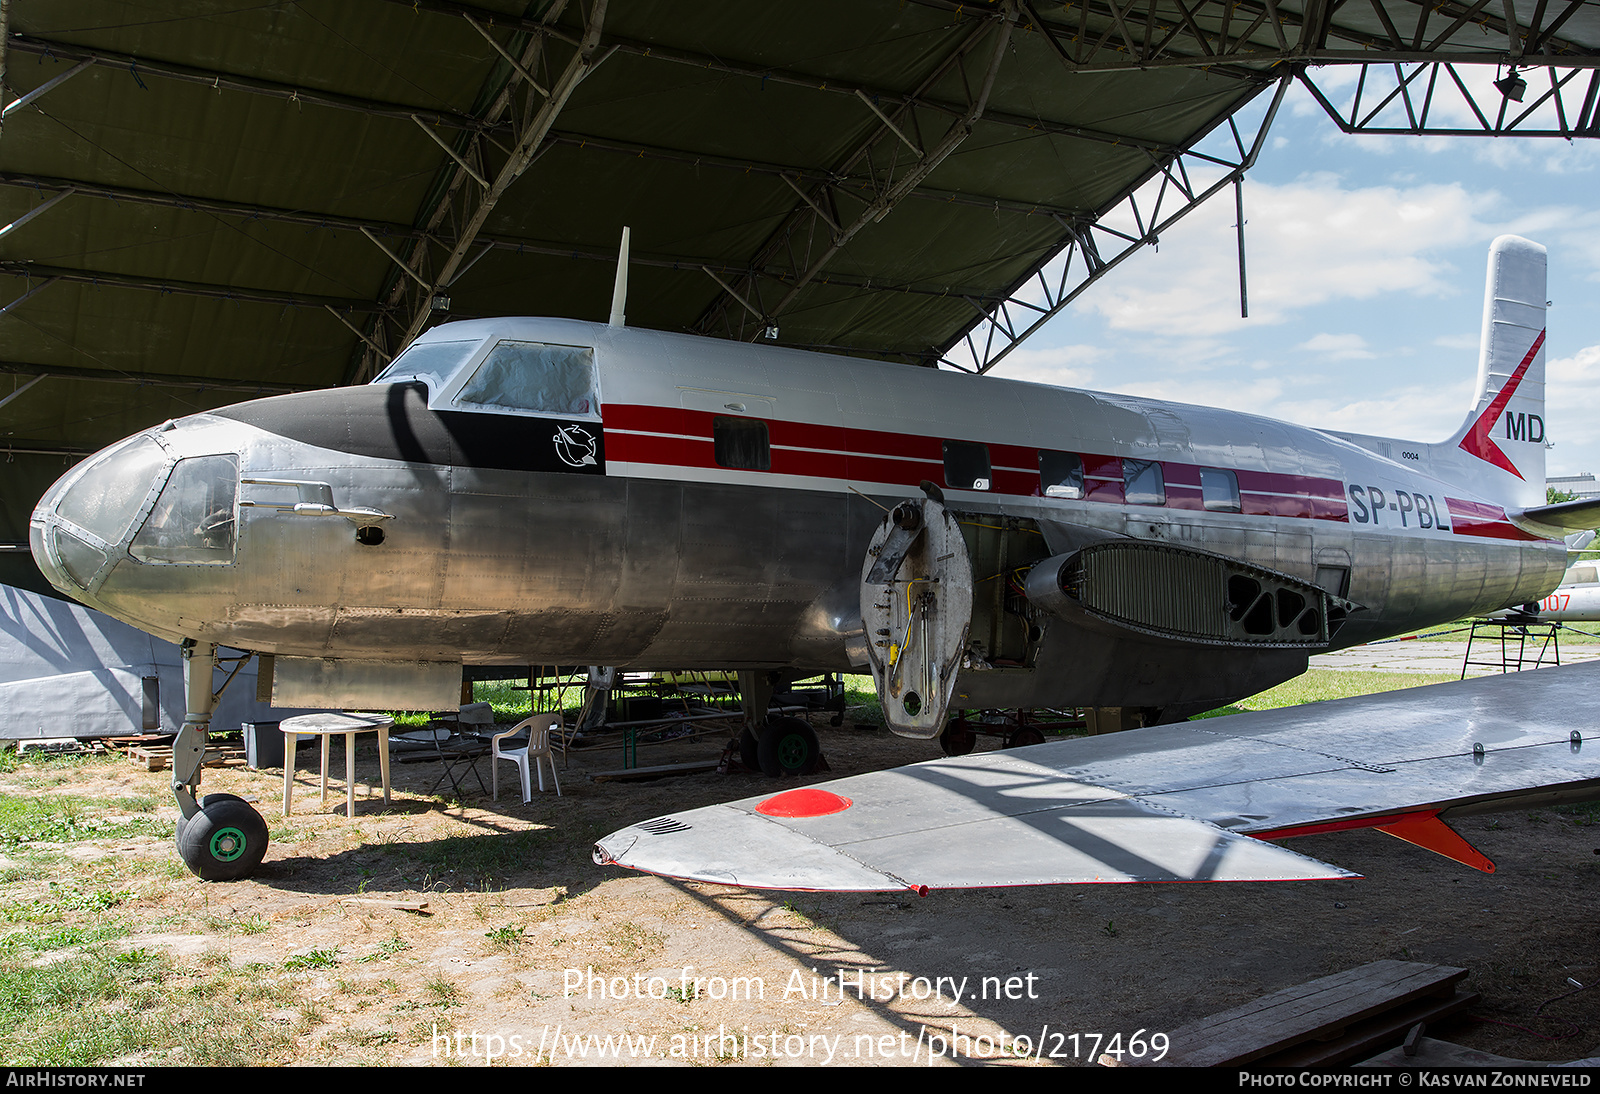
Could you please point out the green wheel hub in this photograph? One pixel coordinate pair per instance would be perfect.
(793, 751)
(227, 844)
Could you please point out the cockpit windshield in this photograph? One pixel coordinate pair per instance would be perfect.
(434, 363)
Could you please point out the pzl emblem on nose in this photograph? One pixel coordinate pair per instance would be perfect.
(574, 446)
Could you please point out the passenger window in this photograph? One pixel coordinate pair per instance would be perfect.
(741, 443)
(1219, 490)
(966, 465)
(536, 378)
(1060, 474)
(1142, 483)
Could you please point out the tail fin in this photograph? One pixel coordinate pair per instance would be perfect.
(1501, 444)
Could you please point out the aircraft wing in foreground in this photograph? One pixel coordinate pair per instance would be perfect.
(1187, 802)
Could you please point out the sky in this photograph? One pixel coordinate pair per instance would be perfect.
(1365, 258)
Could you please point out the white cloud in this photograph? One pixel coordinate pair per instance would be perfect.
(1572, 392)
(1337, 347)
(1063, 366)
(1307, 242)
(1409, 413)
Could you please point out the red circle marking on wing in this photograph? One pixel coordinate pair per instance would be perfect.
(807, 801)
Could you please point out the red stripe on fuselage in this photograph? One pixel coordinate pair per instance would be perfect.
(677, 437)
(1475, 518)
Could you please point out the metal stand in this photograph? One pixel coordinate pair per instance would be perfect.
(1514, 636)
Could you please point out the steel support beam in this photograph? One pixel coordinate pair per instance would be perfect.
(953, 138)
(1000, 328)
(20, 388)
(180, 288)
(803, 219)
(35, 211)
(1397, 99)
(487, 242)
(864, 186)
(36, 289)
(29, 448)
(217, 80)
(527, 149)
(44, 89)
(147, 379)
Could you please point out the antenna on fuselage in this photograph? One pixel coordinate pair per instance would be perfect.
(619, 293)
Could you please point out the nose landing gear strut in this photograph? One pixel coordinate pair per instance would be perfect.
(220, 837)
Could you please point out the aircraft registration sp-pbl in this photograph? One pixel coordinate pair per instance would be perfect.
(547, 491)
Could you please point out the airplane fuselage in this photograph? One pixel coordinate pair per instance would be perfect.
(709, 504)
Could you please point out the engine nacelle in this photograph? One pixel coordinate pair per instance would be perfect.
(1185, 595)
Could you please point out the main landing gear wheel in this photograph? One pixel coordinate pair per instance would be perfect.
(1024, 736)
(787, 746)
(209, 799)
(749, 751)
(225, 841)
(958, 738)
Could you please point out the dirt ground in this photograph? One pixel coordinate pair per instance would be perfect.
(542, 956)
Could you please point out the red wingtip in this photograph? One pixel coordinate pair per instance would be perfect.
(1427, 831)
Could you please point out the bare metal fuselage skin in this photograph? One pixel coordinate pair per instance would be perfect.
(615, 537)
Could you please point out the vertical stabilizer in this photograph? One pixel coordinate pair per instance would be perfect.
(1503, 437)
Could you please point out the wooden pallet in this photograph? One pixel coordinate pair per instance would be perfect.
(159, 757)
(1336, 1019)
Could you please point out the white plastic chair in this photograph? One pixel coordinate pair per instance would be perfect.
(536, 749)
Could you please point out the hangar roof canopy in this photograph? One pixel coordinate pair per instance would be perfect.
(211, 199)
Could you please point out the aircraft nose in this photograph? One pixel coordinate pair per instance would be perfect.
(83, 522)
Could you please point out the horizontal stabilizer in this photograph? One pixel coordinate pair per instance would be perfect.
(1574, 516)
(1168, 803)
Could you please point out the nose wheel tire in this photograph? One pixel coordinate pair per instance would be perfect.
(225, 841)
(788, 746)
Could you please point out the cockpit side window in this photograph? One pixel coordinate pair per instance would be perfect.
(537, 379)
(434, 363)
(193, 519)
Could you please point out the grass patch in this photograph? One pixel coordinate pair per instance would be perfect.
(1319, 685)
(1585, 634)
(65, 819)
(314, 959)
(99, 1006)
(60, 937)
(507, 937)
(479, 860)
(442, 992)
(388, 948)
(62, 899)
(1583, 814)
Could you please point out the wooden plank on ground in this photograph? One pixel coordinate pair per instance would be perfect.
(694, 767)
(1361, 1039)
(1318, 1009)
